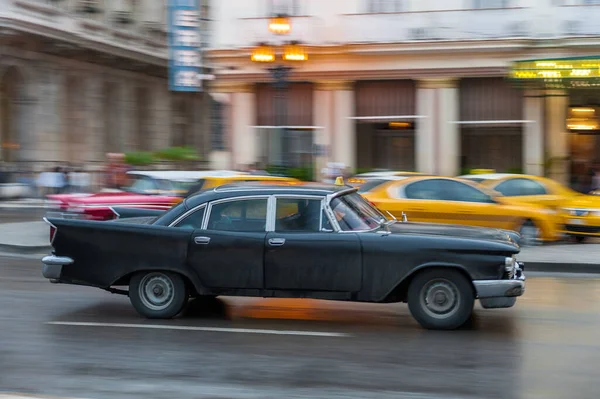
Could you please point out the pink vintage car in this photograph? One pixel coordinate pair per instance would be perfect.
(153, 190)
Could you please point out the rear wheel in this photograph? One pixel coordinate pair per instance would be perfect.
(441, 299)
(158, 294)
(580, 239)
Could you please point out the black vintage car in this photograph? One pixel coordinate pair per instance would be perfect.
(297, 240)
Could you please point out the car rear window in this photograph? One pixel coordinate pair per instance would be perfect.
(370, 185)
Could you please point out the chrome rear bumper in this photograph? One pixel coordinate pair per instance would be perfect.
(52, 266)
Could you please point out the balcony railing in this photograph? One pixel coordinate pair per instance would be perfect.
(437, 25)
(107, 21)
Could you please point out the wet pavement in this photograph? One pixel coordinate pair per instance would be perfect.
(546, 347)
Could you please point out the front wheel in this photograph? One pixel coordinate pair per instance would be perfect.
(441, 299)
(158, 294)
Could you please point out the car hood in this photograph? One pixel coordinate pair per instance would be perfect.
(457, 231)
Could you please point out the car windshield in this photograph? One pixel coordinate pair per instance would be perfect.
(354, 213)
(147, 185)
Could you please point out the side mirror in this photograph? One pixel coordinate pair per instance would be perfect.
(404, 218)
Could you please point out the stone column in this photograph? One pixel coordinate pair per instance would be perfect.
(437, 138)
(557, 136)
(240, 118)
(322, 116)
(533, 137)
(161, 116)
(127, 114)
(221, 158)
(48, 118)
(333, 106)
(244, 138)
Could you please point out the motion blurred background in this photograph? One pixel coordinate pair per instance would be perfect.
(290, 86)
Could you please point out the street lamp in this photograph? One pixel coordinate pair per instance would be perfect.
(293, 51)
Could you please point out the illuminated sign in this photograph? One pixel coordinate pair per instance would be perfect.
(559, 73)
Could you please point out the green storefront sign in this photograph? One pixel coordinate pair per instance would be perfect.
(558, 73)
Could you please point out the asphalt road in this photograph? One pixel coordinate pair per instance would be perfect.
(546, 347)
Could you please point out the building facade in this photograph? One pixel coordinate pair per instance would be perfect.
(403, 84)
(81, 78)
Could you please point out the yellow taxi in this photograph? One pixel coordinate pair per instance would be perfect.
(579, 213)
(436, 199)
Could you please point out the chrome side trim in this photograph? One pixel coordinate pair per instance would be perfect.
(117, 216)
(271, 213)
(53, 260)
(51, 226)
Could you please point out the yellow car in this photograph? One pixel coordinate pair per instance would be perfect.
(446, 200)
(579, 213)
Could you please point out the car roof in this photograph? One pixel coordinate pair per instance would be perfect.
(240, 189)
(489, 176)
(386, 173)
(185, 175)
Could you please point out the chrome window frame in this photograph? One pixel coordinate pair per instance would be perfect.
(270, 205)
(188, 213)
(322, 199)
(335, 223)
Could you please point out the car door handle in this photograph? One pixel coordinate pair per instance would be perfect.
(202, 240)
(276, 242)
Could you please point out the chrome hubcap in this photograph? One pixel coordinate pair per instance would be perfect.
(529, 234)
(156, 291)
(440, 298)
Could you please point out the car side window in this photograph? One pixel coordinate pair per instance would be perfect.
(425, 190)
(193, 220)
(298, 215)
(520, 187)
(462, 192)
(240, 215)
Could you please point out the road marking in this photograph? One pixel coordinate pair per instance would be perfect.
(193, 328)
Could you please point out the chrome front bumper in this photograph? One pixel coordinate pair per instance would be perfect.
(52, 266)
(501, 293)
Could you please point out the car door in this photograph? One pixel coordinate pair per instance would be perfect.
(470, 206)
(422, 201)
(227, 250)
(304, 253)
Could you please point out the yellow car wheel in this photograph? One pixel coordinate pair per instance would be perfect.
(530, 234)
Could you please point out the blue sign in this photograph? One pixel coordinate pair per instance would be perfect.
(184, 45)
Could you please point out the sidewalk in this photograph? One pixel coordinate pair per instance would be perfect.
(33, 238)
(22, 203)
